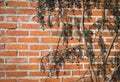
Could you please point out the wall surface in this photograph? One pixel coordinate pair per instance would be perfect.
(23, 42)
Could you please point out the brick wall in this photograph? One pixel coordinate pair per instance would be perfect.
(23, 42)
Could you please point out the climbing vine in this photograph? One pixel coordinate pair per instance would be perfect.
(59, 9)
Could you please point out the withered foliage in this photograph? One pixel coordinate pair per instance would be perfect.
(57, 58)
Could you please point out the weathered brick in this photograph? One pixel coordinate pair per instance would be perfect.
(34, 4)
(28, 53)
(39, 47)
(28, 40)
(1, 18)
(49, 40)
(50, 80)
(28, 67)
(16, 46)
(71, 79)
(16, 74)
(17, 4)
(2, 46)
(1, 60)
(8, 25)
(28, 80)
(16, 60)
(39, 33)
(29, 26)
(2, 32)
(17, 18)
(27, 11)
(39, 73)
(7, 39)
(7, 11)
(73, 66)
(34, 60)
(2, 74)
(8, 53)
(97, 13)
(8, 80)
(16, 33)
(1, 3)
(8, 67)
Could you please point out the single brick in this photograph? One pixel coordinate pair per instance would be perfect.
(8, 25)
(17, 3)
(16, 74)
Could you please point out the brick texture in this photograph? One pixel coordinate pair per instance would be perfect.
(23, 42)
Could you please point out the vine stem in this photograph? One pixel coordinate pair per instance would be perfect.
(114, 73)
(109, 50)
(86, 48)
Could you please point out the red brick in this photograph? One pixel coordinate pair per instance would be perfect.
(28, 80)
(44, 53)
(7, 11)
(8, 25)
(28, 40)
(8, 80)
(17, 18)
(28, 53)
(56, 33)
(97, 13)
(8, 67)
(2, 74)
(53, 12)
(16, 33)
(2, 46)
(83, 60)
(39, 47)
(98, 47)
(90, 20)
(49, 40)
(16, 60)
(2, 32)
(8, 53)
(75, 40)
(27, 11)
(1, 3)
(1, 60)
(17, 3)
(64, 19)
(28, 67)
(118, 47)
(71, 79)
(39, 33)
(109, 13)
(16, 74)
(29, 26)
(73, 66)
(62, 73)
(61, 47)
(107, 34)
(54, 26)
(35, 19)
(34, 60)
(7, 39)
(75, 12)
(34, 4)
(16, 46)
(81, 72)
(1, 18)
(39, 73)
(50, 80)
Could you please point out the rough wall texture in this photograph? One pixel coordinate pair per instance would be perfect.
(22, 42)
